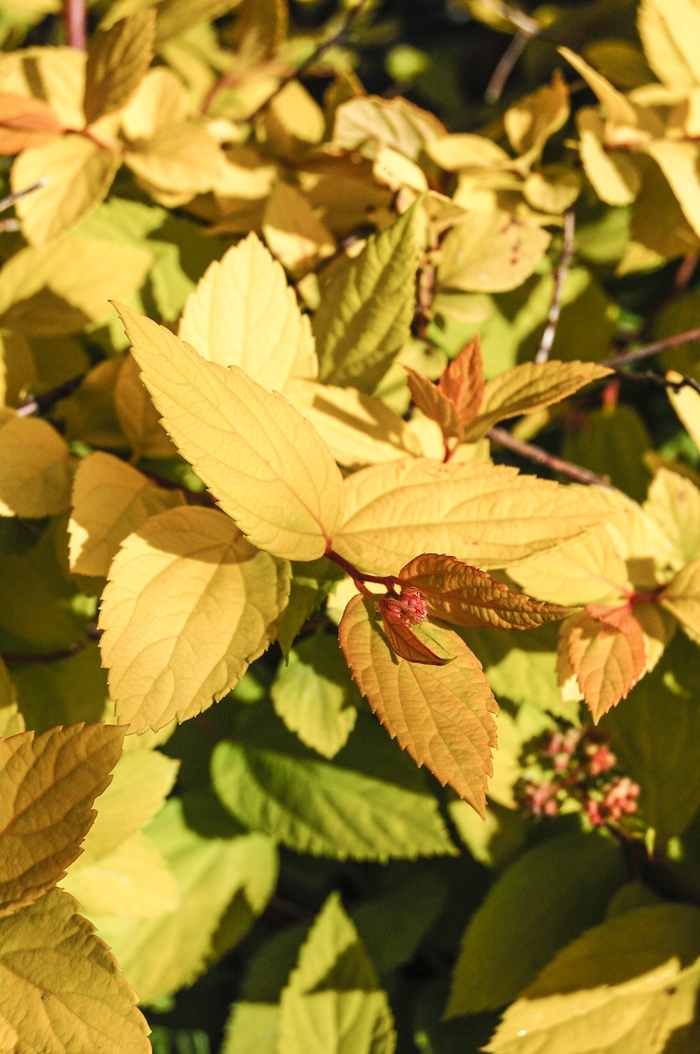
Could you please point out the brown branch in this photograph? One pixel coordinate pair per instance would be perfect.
(75, 17)
(39, 404)
(229, 78)
(663, 382)
(567, 253)
(38, 659)
(504, 438)
(506, 65)
(11, 199)
(691, 336)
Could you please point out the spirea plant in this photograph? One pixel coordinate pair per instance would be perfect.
(336, 716)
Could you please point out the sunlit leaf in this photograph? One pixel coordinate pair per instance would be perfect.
(116, 61)
(25, 123)
(455, 400)
(674, 503)
(490, 253)
(531, 121)
(190, 603)
(49, 784)
(292, 230)
(442, 715)
(682, 598)
(35, 469)
(608, 659)
(60, 988)
(369, 123)
(265, 464)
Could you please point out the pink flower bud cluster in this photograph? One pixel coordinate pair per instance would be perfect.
(409, 608)
(573, 768)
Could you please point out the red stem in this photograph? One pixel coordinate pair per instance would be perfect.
(75, 17)
(359, 577)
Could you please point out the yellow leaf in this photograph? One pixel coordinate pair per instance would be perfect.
(261, 27)
(110, 500)
(359, 429)
(18, 370)
(486, 515)
(141, 781)
(585, 571)
(612, 174)
(160, 101)
(137, 416)
(11, 720)
(56, 75)
(552, 189)
(293, 120)
(395, 171)
(530, 387)
(63, 287)
(60, 988)
(133, 882)
(190, 603)
(608, 660)
(47, 787)
(465, 152)
(35, 469)
(531, 121)
(442, 715)
(292, 230)
(617, 108)
(79, 174)
(674, 503)
(682, 598)
(670, 34)
(244, 314)
(181, 159)
(369, 123)
(117, 61)
(686, 403)
(266, 466)
(490, 253)
(178, 16)
(679, 164)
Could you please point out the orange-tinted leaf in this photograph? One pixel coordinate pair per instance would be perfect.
(455, 400)
(464, 595)
(25, 122)
(442, 715)
(607, 660)
(402, 641)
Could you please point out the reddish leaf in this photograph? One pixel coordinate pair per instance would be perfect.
(442, 715)
(456, 398)
(464, 595)
(402, 641)
(608, 660)
(24, 123)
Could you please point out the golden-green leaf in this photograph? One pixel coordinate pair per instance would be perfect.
(244, 314)
(294, 233)
(674, 503)
(368, 123)
(617, 107)
(455, 592)
(670, 34)
(686, 403)
(682, 598)
(366, 308)
(679, 163)
(35, 469)
(60, 988)
(116, 62)
(181, 160)
(137, 416)
(584, 571)
(490, 252)
(486, 515)
(190, 603)
(531, 121)
(612, 174)
(529, 387)
(110, 500)
(78, 175)
(608, 658)
(332, 1002)
(267, 467)
(47, 788)
(442, 715)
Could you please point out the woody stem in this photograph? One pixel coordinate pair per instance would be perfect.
(359, 577)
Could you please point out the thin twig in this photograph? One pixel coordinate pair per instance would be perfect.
(38, 659)
(11, 199)
(663, 382)
(541, 457)
(75, 17)
(39, 404)
(229, 78)
(506, 65)
(567, 253)
(691, 336)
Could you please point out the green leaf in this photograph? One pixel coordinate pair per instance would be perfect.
(624, 986)
(315, 696)
(366, 308)
(655, 736)
(613, 443)
(62, 692)
(332, 1003)
(159, 956)
(356, 807)
(60, 989)
(311, 583)
(540, 903)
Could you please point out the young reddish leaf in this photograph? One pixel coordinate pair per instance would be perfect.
(402, 641)
(47, 787)
(455, 400)
(25, 123)
(442, 715)
(607, 659)
(464, 595)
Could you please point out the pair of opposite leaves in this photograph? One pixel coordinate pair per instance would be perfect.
(274, 475)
